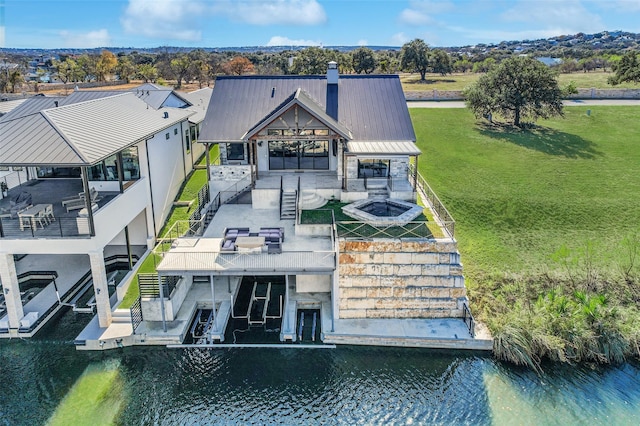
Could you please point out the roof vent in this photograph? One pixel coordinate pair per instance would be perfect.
(55, 103)
(166, 114)
(273, 92)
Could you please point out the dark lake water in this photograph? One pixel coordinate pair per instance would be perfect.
(346, 385)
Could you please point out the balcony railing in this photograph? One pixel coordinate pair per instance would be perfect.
(61, 227)
(429, 196)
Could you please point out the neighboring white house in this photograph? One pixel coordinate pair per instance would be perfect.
(116, 150)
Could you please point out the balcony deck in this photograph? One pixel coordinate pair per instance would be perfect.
(49, 191)
(202, 255)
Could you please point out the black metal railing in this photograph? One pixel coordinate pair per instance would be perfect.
(429, 196)
(136, 314)
(468, 320)
(61, 227)
(359, 229)
(149, 286)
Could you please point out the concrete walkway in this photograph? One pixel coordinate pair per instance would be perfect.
(566, 102)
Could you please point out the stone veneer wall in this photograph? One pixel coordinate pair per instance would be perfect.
(400, 278)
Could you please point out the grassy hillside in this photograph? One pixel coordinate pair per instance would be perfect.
(543, 212)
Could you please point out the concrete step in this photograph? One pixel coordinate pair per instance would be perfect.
(310, 200)
(121, 316)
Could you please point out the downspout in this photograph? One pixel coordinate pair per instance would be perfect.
(206, 153)
(153, 211)
(184, 166)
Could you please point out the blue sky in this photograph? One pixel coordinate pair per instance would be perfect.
(231, 23)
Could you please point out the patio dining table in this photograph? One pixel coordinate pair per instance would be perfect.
(28, 216)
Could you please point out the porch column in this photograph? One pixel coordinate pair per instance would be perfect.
(11, 289)
(335, 299)
(213, 300)
(100, 287)
(87, 200)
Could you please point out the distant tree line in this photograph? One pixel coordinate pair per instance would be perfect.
(202, 67)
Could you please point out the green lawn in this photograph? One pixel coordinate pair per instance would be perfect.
(458, 81)
(547, 222)
(517, 197)
(189, 192)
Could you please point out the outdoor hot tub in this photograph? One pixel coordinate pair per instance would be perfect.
(383, 211)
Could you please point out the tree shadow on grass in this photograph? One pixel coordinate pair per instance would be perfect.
(428, 81)
(543, 139)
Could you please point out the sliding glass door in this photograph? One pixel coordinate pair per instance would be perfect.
(298, 155)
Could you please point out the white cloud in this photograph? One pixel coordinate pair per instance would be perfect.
(278, 12)
(420, 12)
(621, 6)
(285, 41)
(168, 19)
(363, 42)
(98, 38)
(399, 39)
(568, 14)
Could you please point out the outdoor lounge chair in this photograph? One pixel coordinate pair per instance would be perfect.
(79, 202)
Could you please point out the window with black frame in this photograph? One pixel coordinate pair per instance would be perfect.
(235, 151)
(373, 168)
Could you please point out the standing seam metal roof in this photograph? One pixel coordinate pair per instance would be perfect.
(82, 133)
(372, 107)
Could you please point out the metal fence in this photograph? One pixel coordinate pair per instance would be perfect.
(149, 286)
(429, 196)
(136, 314)
(468, 320)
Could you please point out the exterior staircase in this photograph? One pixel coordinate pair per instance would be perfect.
(310, 200)
(289, 204)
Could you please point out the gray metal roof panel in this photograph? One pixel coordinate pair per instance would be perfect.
(31, 106)
(33, 141)
(300, 97)
(383, 147)
(102, 127)
(82, 133)
(372, 107)
(7, 106)
(199, 99)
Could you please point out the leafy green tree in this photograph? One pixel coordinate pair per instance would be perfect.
(148, 73)
(363, 60)
(180, 67)
(440, 62)
(519, 87)
(125, 69)
(415, 57)
(87, 65)
(312, 60)
(626, 69)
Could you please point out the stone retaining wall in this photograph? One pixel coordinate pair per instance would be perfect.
(400, 278)
(456, 95)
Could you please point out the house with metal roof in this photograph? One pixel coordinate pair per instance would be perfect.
(92, 182)
(312, 233)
